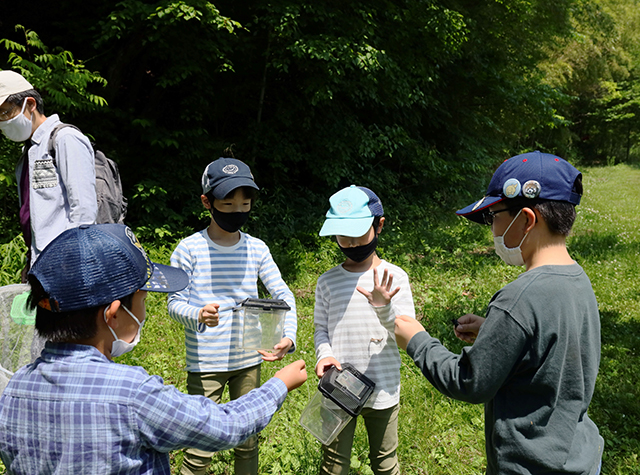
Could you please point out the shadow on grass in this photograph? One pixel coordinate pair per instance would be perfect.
(595, 246)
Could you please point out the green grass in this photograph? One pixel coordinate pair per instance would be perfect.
(607, 245)
(453, 271)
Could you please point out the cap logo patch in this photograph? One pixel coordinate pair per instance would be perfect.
(531, 189)
(230, 169)
(344, 207)
(134, 240)
(160, 281)
(511, 188)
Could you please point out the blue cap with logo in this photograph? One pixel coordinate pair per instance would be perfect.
(352, 212)
(533, 175)
(224, 175)
(93, 265)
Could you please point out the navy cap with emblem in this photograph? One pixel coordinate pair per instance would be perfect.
(93, 265)
(224, 175)
(530, 175)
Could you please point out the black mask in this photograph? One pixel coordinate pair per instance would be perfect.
(360, 253)
(230, 222)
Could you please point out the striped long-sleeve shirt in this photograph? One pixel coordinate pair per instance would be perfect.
(351, 330)
(226, 276)
(74, 411)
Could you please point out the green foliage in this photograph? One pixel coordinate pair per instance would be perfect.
(613, 125)
(12, 261)
(65, 85)
(596, 70)
(9, 223)
(63, 81)
(419, 99)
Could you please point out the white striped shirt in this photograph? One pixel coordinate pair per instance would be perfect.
(226, 276)
(351, 330)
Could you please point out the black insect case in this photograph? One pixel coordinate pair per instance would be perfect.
(341, 396)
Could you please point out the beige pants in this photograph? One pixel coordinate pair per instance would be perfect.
(382, 429)
(212, 386)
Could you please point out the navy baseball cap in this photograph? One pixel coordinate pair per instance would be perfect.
(95, 264)
(533, 175)
(352, 212)
(225, 175)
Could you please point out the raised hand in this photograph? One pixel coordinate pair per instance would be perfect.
(381, 294)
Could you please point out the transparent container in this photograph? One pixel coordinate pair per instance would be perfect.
(324, 418)
(263, 322)
(19, 342)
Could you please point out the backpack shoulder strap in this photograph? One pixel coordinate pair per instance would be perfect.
(51, 145)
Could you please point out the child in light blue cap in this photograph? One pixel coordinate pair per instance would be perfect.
(354, 323)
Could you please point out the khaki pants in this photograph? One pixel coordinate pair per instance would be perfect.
(382, 429)
(212, 386)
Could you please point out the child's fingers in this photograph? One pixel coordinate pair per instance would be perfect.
(300, 364)
(270, 356)
(385, 278)
(389, 281)
(364, 292)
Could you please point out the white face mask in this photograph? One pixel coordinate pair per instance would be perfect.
(510, 255)
(19, 128)
(120, 347)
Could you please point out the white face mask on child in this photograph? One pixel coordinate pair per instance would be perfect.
(510, 255)
(120, 347)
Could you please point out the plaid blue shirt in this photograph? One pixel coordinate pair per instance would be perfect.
(74, 411)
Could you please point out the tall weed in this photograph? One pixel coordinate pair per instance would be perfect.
(13, 260)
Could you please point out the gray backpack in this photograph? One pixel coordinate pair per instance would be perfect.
(112, 205)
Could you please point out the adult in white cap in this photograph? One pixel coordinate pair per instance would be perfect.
(534, 359)
(55, 193)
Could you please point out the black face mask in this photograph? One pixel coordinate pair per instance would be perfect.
(360, 253)
(230, 222)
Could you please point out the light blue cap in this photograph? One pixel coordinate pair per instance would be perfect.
(352, 212)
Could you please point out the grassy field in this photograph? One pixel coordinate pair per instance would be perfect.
(453, 271)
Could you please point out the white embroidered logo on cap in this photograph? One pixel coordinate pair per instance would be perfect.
(344, 207)
(134, 240)
(230, 169)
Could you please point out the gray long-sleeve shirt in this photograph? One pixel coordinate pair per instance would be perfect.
(534, 366)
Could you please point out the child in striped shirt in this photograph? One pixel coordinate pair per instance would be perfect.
(356, 304)
(224, 265)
